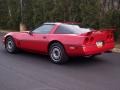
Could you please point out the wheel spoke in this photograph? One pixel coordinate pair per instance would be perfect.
(56, 53)
(10, 45)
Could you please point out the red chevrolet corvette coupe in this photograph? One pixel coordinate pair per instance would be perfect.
(60, 41)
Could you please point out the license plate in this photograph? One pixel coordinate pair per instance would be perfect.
(99, 44)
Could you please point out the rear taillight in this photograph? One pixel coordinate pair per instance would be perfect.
(109, 37)
(88, 40)
(91, 39)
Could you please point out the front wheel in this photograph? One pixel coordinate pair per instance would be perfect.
(10, 45)
(57, 53)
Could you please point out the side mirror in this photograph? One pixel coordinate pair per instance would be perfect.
(30, 32)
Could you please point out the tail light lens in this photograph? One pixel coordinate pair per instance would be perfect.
(91, 39)
(88, 40)
(110, 36)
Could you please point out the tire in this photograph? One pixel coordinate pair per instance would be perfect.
(57, 54)
(10, 45)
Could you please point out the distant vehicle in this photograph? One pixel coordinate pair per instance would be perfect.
(61, 41)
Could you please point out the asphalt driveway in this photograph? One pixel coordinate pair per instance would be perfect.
(25, 71)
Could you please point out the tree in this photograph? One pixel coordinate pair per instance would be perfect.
(90, 13)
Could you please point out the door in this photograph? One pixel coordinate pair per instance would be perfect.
(27, 41)
(38, 39)
(41, 42)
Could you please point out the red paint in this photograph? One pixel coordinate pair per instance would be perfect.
(75, 45)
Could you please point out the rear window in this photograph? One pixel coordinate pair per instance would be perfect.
(71, 29)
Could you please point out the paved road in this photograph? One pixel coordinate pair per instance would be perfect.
(26, 71)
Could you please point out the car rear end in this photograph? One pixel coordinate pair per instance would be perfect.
(97, 42)
(84, 41)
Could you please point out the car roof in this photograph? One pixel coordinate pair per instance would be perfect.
(58, 23)
(53, 23)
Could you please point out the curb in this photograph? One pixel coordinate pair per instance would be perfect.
(116, 50)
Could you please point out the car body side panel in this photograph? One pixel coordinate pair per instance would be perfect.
(40, 42)
(67, 40)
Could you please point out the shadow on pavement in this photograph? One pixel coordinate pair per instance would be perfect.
(79, 61)
(39, 59)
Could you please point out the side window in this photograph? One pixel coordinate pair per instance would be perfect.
(63, 30)
(44, 29)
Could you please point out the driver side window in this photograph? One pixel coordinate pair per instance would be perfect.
(44, 29)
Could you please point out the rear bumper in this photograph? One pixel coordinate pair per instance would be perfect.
(90, 50)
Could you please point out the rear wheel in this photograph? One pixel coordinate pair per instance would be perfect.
(57, 53)
(10, 45)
